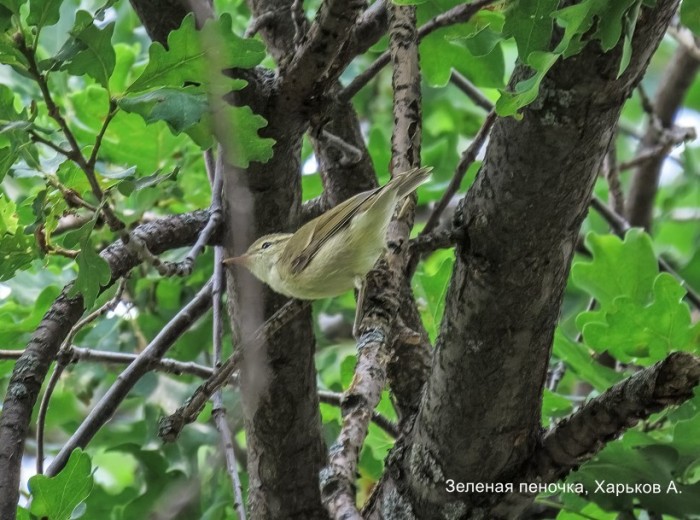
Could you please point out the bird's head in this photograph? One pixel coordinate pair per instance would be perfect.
(262, 255)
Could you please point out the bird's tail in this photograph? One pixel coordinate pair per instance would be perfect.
(409, 180)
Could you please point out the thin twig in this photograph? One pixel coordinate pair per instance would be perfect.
(219, 411)
(62, 360)
(468, 157)
(88, 166)
(259, 22)
(645, 156)
(215, 216)
(612, 175)
(299, 21)
(686, 38)
(349, 154)
(71, 196)
(170, 427)
(620, 226)
(335, 399)
(165, 365)
(436, 239)
(113, 109)
(379, 315)
(154, 352)
(459, 14)
(219, 285)
(470, 90)
(38, 139)
(557, 373)
(135, 244)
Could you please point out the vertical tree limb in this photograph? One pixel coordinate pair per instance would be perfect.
(382, 294)
(480, 413)
(675, 83)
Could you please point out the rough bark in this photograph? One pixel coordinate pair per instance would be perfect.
(480, 414)
(579, 437)
(30, 370)
(285, 447)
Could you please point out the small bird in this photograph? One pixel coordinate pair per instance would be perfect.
(332, 253)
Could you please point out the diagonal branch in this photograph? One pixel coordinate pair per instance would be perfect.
(30, 370)
(309, 69)
(459, 14)
(171, 426)
(522, 217)
(109, 402)
(578, 438)
(467, 159)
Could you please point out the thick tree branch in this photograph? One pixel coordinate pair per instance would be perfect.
(480, 412)
(579, 437)
(309, 71)
(30, 370)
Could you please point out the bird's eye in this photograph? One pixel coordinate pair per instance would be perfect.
(265, 245)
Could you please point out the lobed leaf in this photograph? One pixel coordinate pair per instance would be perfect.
(56, 497)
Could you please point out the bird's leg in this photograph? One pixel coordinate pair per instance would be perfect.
(360, 284)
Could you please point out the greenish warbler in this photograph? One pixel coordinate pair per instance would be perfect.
(332, 253)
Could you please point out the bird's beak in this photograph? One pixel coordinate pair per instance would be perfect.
(236, 260)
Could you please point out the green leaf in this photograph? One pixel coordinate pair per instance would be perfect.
(438, 55)
(431, 283)
(93, 273)
(8, 216)
(639, 458)
(593, 19)
(526, 91)
(81, 235)
(10, 54)
(618, 268)
(128, 140)
(13, 131)
(179, 108)
(530, 23)
(555, 405)
(641, 316)
(57, 497)
(580, 360)
(43, 13)
(237, 128)
(129, 185)
(642, 333)
(630, 22)
(690, 15)
(191, 54)
(13, 5)
(90, 51)
(16, 248)
(7, 159)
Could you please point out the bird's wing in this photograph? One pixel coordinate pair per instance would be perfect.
(309, 239)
